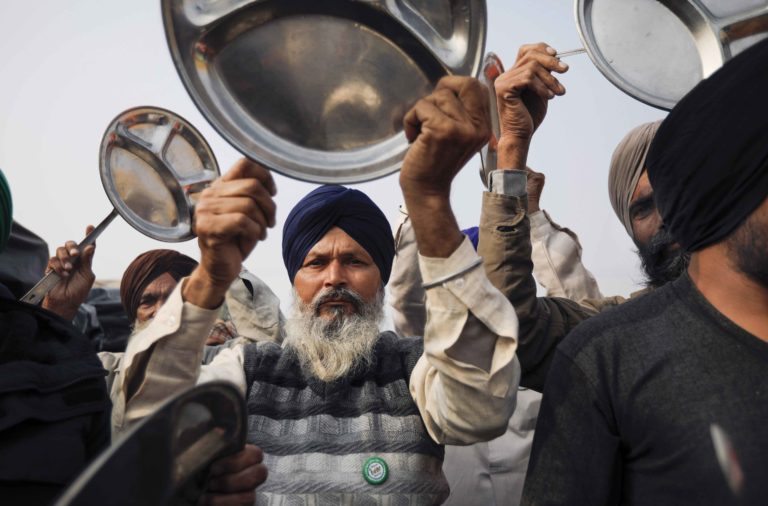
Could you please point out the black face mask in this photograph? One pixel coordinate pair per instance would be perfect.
(662, 260)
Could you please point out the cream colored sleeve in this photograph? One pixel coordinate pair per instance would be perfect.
(165, 360)
(405, 293)
(254, 309)
(556, 256)
(466, 381)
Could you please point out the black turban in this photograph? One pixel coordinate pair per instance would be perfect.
(708, 163)
(146, 268)
(336, 206)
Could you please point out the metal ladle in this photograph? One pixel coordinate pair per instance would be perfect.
(153, 164)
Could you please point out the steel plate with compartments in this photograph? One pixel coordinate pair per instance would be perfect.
(657, 50)
(317, 89)
(153, 163)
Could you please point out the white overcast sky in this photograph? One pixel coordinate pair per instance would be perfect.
(70, 67)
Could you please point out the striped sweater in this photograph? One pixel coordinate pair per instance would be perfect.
(317, 436)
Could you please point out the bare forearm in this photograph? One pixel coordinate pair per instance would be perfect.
(437, 232)
(512, 153)
(200, 291)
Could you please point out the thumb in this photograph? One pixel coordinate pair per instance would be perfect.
(89, 230)
(86, 257)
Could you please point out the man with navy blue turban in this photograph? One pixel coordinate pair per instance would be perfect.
(336, 206)
(343, 412)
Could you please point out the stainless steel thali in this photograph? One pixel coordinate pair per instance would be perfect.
(317, 89)
(153, 165)
(657, 50)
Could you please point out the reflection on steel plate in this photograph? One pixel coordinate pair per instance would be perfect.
(317, 90)
(142, 189)
(183, 158)
(694, 38)
(275, 72)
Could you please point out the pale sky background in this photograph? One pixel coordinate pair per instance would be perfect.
(69, 67)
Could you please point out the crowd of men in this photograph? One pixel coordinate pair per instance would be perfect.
(484, 393)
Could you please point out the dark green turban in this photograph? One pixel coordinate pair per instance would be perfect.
(6, 211)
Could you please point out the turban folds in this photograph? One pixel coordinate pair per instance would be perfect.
(146, 268)
(627, 164)
(336, 206)
(6, 211)
(708, 164)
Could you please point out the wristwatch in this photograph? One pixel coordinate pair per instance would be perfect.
(510, 182)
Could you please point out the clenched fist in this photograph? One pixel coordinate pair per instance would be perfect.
(522, 95)
(231, 216)
(445, 130)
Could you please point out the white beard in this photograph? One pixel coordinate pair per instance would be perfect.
(332, 348)
(139, 327)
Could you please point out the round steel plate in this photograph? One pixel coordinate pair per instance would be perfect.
(317, 89)
(657, 50)
(153, 163)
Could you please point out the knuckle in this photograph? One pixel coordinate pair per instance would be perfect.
(258, 453)
(528, 74)
(253, 186)
(473, 82)
(271, 207)
(251, 207)
(241, 221)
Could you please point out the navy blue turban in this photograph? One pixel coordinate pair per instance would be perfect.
(708, 163)
(336, 206)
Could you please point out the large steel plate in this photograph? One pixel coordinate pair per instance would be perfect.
(317, 89)
(657, 50)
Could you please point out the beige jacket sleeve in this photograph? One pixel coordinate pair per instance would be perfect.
(254, 309)
(464, 385)
(557, 265)
(161, 361)
(407, 297)
(465, 382)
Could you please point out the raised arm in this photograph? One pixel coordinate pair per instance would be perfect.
(230, 218)
(165, 359)
(556, 251)
(523, 93)
(465, 382)
(405, 292)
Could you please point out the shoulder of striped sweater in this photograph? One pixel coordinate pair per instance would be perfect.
(407, 350)
(389, 339)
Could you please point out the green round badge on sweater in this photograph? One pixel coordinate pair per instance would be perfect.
(375, 471)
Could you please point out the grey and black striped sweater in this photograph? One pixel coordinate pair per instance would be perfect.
(317, 436)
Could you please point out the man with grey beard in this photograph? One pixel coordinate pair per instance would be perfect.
(331, 349)
(343, 413)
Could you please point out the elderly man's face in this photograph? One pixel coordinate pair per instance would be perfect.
(154, 296)
(661, 256)
(646, 220)
(337, 261)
